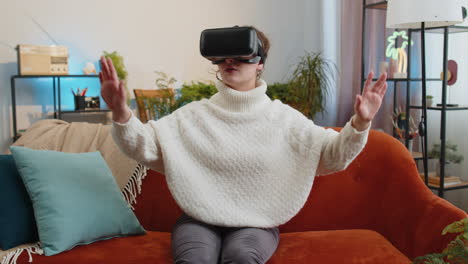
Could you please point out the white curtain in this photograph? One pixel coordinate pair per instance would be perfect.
(330, 28)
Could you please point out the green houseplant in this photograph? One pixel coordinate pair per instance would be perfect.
(281, 92)
(169, 102)
(119, 65)
(164, 81)
(165, 104)
(451, 156)
(451, 152)
(310, 83)
(195, 91)
(161, 106)
(456, 251)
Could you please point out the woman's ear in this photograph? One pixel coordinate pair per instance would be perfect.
(260, 67)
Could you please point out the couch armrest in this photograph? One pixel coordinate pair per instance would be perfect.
(411, 216)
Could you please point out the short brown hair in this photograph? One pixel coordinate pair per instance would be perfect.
(265, 41)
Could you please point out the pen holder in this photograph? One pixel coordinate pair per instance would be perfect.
(80, 102)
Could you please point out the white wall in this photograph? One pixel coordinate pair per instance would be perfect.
(151, 35)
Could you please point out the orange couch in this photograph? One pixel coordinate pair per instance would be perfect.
(376, 211)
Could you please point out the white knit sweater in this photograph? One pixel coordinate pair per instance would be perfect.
(239, 159)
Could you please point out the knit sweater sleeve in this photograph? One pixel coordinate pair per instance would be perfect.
(336, 149)
(138, 141)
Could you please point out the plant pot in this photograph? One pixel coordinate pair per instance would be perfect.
(429, 102)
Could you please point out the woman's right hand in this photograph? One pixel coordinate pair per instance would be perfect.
(113, 91)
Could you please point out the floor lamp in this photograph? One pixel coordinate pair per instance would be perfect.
(422, 14)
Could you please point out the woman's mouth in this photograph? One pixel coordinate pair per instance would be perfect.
(230, 69)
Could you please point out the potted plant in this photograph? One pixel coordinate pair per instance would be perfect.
(160, 106)
(164, 81)
(170, 101)
(165, 103)
(451, 157)
(119, 65)
(195, 91)
(456, 251)
(310, 84)
(429, 101)
(281, 92)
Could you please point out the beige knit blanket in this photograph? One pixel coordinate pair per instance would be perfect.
(76, 137)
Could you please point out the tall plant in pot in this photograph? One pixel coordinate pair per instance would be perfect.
(311, 83)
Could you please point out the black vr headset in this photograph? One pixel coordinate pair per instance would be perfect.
(238, 43)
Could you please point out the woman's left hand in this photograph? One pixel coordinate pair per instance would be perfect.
(368, 104)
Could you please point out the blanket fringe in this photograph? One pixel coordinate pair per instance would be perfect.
(133, 187)
(130, 192)
(12, 257)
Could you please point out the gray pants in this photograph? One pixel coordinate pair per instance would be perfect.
(196, 242)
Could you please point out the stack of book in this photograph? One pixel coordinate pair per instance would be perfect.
(448, 180)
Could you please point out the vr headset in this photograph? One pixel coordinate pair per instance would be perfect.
(240, 43)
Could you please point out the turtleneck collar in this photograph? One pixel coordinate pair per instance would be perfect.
(240, 101)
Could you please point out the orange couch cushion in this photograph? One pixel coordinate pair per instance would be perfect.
(336, 247)
(326, 247)
(153, 247)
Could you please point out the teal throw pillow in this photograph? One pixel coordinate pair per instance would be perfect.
(75, 198)
(17, 224)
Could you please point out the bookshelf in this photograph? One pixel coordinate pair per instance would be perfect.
(57, 102)
(440, 185)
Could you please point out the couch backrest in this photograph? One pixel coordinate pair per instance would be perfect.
(353, 198)
(155, 207)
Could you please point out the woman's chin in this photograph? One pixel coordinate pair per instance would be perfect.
(230, 80)
(234, 81)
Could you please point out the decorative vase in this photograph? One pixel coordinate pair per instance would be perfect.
(410, 145)
(383, 67)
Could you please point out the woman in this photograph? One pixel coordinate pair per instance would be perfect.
(238, 164)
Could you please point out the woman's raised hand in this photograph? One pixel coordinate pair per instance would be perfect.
(368, 104)
(113, 91)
